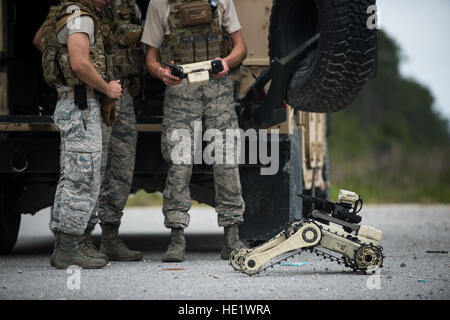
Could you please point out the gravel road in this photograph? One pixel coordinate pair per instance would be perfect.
(410, 272)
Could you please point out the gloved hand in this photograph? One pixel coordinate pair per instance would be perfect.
(134, 86)
(109, 110)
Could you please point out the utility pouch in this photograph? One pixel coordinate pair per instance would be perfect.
(128, 34)
(80, 96)
(195, 13)
(52, 71)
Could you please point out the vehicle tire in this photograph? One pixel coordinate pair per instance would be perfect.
(9, 230)
(333, 74)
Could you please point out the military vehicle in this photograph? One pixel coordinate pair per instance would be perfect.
(305, 58)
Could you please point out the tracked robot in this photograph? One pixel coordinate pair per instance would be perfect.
(330, 229)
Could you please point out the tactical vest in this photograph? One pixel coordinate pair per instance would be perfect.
(55, 56)
(195, 33)
(122, 33)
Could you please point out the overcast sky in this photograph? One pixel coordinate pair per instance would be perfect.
(422, 29)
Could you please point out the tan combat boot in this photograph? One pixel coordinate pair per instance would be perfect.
(114, 248)
(89, 249)
(231, 241)
(177, 247)
(67, 253)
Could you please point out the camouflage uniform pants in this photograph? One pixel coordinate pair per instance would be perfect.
(212, 104)
(118, 158)
(80, 157)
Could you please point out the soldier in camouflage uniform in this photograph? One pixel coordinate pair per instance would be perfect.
(122, 31)
(74, 62)
(184, 42)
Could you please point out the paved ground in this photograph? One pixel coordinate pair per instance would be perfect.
(409, 271)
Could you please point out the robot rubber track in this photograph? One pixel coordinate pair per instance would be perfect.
(360, 251)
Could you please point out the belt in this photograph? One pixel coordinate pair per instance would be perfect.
(90, 93)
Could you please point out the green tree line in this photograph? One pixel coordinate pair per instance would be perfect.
(391, 145)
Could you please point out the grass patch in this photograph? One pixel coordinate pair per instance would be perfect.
(144, 199)
(395, 177)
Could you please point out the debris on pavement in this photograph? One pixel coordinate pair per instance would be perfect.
(293, 264)
(173, 269)
(437, 251)
(421, 280)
